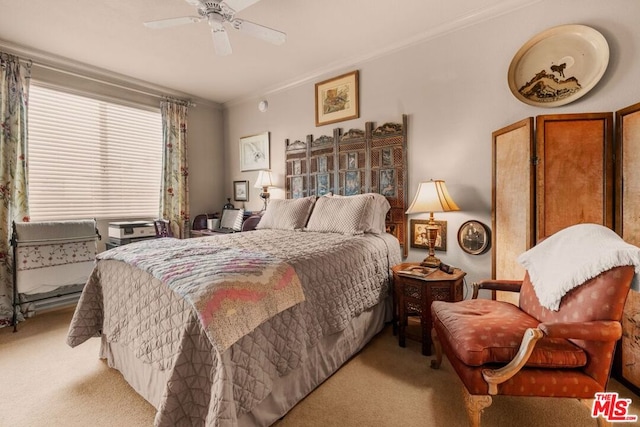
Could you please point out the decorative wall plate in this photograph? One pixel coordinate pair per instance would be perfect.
(474, 237)
(558, 66)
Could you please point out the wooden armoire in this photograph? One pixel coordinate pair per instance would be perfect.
(564, 169)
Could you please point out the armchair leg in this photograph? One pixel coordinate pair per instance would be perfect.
(475, 404)
(601, 421)
(435, 363)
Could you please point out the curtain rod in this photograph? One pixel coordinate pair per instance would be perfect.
(113, 84)
(58, 69)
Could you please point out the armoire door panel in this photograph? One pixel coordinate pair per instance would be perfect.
(574, 171)
(512, 201)
(627, 364)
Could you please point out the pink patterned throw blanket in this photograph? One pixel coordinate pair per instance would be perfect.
(232, 290)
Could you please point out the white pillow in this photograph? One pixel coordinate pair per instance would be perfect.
(287, 214)
(376, 215)
(346, 215)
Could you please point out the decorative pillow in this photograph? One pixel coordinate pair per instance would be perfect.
(340, 215)
(376, 214)
(287, 214)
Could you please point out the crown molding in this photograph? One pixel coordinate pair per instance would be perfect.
(464, 21)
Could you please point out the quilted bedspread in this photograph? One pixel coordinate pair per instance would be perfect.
(341, 277)
(232, 290)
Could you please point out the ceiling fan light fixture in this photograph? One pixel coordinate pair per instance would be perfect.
(217, 12)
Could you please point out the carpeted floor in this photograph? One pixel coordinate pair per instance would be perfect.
(46, 383)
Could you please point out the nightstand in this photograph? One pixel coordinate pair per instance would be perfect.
(413, 297)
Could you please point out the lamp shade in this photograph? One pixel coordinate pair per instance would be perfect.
(432, 196)
(264, 179)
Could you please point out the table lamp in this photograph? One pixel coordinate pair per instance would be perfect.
(432, 196)
(264, 181)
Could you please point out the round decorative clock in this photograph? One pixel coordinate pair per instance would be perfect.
(474, 237)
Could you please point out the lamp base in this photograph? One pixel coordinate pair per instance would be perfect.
(430, 261)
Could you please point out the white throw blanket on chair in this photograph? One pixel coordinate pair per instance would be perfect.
(574, 255)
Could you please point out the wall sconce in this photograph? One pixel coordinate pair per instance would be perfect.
(264, 181)
(432, 196)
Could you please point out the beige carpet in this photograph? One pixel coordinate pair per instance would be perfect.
(46, 383)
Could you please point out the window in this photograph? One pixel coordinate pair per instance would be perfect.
(90, 158)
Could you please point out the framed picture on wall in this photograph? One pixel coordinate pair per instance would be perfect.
(337, 99)
(241, 191)
(254, 152)
(418, 234)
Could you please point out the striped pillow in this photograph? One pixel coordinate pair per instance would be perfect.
(287, 214)
(340, 215)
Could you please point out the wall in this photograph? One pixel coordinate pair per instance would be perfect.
(454, 89)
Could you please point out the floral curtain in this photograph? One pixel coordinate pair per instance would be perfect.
(14, 87)
(174, 197)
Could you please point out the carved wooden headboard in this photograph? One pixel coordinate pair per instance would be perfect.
(356, 162)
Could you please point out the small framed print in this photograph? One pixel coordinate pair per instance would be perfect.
(418, 234)
(337, 99)
(241, 191)
(474, 237)
(254, 152)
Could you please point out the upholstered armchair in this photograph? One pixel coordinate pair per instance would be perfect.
(498, 348)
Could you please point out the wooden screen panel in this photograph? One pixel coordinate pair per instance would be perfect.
(356, 162)
(352, 161)
(574, 171)
(322, 166)
(512, 201)
(627, 365)
(387, 153)
(297, 169)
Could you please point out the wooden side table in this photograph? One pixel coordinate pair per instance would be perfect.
(413, 296)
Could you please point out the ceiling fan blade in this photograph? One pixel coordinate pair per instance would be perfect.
(221, 41)
(196, 3)
(171, 22)
(238, 5)
(260, 31)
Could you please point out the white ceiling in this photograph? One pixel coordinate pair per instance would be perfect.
(322, 36)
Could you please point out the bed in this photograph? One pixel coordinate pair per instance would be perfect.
(178, 318)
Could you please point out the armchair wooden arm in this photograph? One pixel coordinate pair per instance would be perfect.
(600, 330)
(493, 377)
(496, 285)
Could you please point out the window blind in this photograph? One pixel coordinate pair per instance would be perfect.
(90, 158)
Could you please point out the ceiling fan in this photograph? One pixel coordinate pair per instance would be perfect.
(217, 13)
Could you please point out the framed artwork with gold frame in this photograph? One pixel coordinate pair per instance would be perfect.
(418, 234)
(337, 99)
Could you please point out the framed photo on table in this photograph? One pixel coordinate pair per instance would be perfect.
(418, 234)
(337, 99)
(254, 152)
(241, 191)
